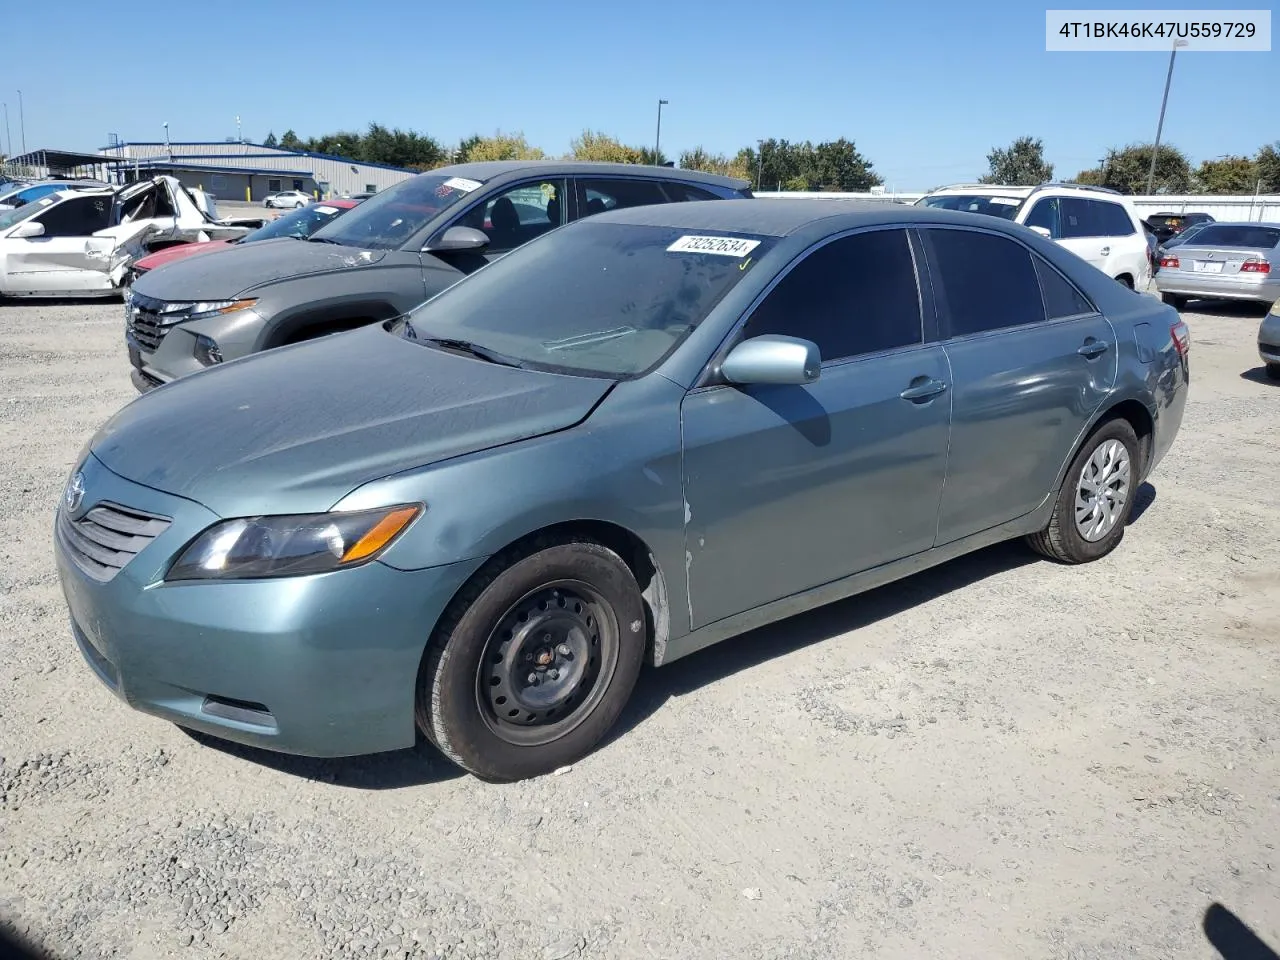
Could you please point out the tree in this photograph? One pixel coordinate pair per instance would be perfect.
(700, 159)
(500, 146)
(1127, 169)
(1267, 163)
(837, 165)
(1228, 175)
(647, 156)
(271, 140)
(1021, 164)
(1091, 178)
(592, 145)
(290, 141)
(462, 152)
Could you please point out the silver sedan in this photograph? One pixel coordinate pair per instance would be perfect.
(1224, 261)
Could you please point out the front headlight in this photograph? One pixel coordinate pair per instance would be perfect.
(204, 308)
(289, 546)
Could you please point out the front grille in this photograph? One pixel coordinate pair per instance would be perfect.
(107, 537)
(146, 324)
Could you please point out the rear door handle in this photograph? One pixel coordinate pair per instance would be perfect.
(1106, 251)
(926, 387)
(1092, 348)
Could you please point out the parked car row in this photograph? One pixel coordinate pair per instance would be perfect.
(594, 417)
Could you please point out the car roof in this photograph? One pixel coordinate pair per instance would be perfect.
(780, 218)
(1244, 223)
(490, 169)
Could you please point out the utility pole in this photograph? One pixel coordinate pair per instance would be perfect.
(657, 139)
(8, 150)
(759, 163)
(22, 122)
(1164, 101)
(239, 138)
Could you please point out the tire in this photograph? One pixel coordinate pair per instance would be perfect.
(1063, 539)
(1173, 300)
(1125, 280)
(299, 205)
(474, 699)
(1273, 371)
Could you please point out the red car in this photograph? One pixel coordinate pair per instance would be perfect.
(297, 223)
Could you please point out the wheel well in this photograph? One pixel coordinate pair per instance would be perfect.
(1126, 279)
(320, 328)
(1139, 418)
(635, 553)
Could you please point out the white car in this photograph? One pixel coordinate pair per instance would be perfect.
(288, 199)
(1095, 223)
(79, 243)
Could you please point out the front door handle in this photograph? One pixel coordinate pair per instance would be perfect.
(923, 388)
(1092, 348)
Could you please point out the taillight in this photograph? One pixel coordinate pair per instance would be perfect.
(1255, 266)
(1169, 262)
(1181, 334)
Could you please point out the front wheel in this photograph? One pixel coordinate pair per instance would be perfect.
(534, 660)
(1095, 499)
(299, 205)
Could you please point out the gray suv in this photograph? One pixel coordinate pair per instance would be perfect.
(394, 251)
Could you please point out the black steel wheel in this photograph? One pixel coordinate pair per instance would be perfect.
(533, 661)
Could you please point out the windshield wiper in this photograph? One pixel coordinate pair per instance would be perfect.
(326, 240)
(465, 346)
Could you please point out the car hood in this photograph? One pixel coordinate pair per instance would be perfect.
(179, 252)
(293, 430)
(242, 267)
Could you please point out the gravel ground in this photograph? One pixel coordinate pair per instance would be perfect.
(998, 758)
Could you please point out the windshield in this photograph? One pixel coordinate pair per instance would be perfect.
(9, 217)
(299, 223)
(1237, 236)
(598, 299)
(387, 219)
(1006, 207)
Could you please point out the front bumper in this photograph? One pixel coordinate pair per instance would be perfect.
(1218, 287)
(1269, 352)
(163, 355)
(323, 665)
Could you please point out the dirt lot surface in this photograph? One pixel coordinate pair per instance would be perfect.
(999, 758)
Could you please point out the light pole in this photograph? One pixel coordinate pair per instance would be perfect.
(167, 149)
(657, 139)
(239, 138)
(22, 122)
(8, 151)
(1155, 150)
(759, 162)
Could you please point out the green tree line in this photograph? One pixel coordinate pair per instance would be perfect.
(1127, 169)
(772, 165)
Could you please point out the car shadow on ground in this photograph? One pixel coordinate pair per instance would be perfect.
(1231, 936)
(1245, 309)
(418, 766)
(1259, 375)
(755, 647)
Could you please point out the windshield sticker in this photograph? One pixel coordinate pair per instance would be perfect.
(326, 210)
(721, 246)
(1005, 201)
(463, 184)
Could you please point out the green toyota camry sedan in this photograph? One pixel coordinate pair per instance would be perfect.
(634, 437)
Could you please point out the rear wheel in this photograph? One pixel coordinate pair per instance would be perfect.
(1126, 280)
(1095, 499)
(1173, 300)
(1273, 371)
(533, 661)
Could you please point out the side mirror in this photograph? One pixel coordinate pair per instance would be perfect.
(19, 202)
(458, 238)
(1044, 232)
(28, 228)
(773, 359)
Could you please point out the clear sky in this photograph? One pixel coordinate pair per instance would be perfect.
(925, 88)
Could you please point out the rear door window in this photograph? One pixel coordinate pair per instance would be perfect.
(680, 192)
(1094, 218)
(987, 282)
(852, 296)
(597, 196)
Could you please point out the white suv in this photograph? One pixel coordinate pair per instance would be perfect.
(1095, 223)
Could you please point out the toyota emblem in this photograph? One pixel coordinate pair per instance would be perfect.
(73, 496)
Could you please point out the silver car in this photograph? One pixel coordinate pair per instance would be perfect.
(1269, 341)
(1224, 261)
(288, 199)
